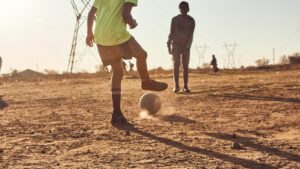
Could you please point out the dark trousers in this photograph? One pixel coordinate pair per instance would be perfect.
(181, 54)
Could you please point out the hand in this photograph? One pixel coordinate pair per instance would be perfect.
(90, 39)
(133, 25)
(169, 47)
(170, 50)
(188, 46)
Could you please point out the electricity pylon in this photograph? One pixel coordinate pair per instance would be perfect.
(78, 48)
(231, 50)
(201, 50)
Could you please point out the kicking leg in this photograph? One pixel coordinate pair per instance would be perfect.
(141, 62)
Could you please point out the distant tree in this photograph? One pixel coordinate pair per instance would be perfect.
(262, 62)
(13, 72)
(283, 60)
(295, 58)
(83, 71)
(206, 65)
(160, 69)
(51, 72)
(297, 54)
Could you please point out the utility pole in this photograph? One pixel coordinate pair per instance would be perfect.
(230, 48)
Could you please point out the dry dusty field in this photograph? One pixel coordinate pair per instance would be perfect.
(249, 120)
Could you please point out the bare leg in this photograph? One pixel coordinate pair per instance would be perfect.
(116, 79)
(141, 58)
(116, 86)
(176, 64)
(185, 63)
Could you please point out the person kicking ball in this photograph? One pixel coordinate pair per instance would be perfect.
(115, 43)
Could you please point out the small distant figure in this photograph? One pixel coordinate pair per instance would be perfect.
(124, 65)
(0, 63)
(214, 64)
(131, 66)
(106, 69)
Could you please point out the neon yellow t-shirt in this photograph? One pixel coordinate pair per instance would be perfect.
(110, 27)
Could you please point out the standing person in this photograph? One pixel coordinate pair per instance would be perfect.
(115, 43)
(179, 44)
(131, 66)
(214, 64)
(0, 63)
(124, 65)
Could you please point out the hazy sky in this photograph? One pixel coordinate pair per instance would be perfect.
(38, 33)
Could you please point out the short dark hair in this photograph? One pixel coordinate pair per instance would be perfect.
(183, 3)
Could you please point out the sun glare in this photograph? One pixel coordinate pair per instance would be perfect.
(17, 9)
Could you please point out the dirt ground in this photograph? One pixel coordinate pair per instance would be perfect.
(249, 120)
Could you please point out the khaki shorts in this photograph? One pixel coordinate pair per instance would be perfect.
(181, 53)
(114, 54)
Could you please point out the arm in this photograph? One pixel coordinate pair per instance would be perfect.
(90, 23)
(127, 15)
(171, 35)
(191, 34)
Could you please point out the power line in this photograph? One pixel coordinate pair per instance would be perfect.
(291, 37)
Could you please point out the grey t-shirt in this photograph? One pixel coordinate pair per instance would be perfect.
(182, 31)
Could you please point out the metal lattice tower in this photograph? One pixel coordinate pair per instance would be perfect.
(201, 50)
(231, 50)
(78, 48)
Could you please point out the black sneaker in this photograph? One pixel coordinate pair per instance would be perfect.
(176, 90)
(118, 119)
(154, 85)
(186, 90)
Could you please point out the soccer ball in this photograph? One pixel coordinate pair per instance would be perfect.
(150, 102)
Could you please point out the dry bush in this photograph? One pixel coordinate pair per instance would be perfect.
(262, 62)
(206, 66)
(283, 60)
(158, 70)
(101, 69)
(13, 72)
(51, 72)
(295, 58)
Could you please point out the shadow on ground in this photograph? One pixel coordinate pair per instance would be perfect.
(251, 97)
(201, 151)
(3, 104)
(174, 119)
(249, 142)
